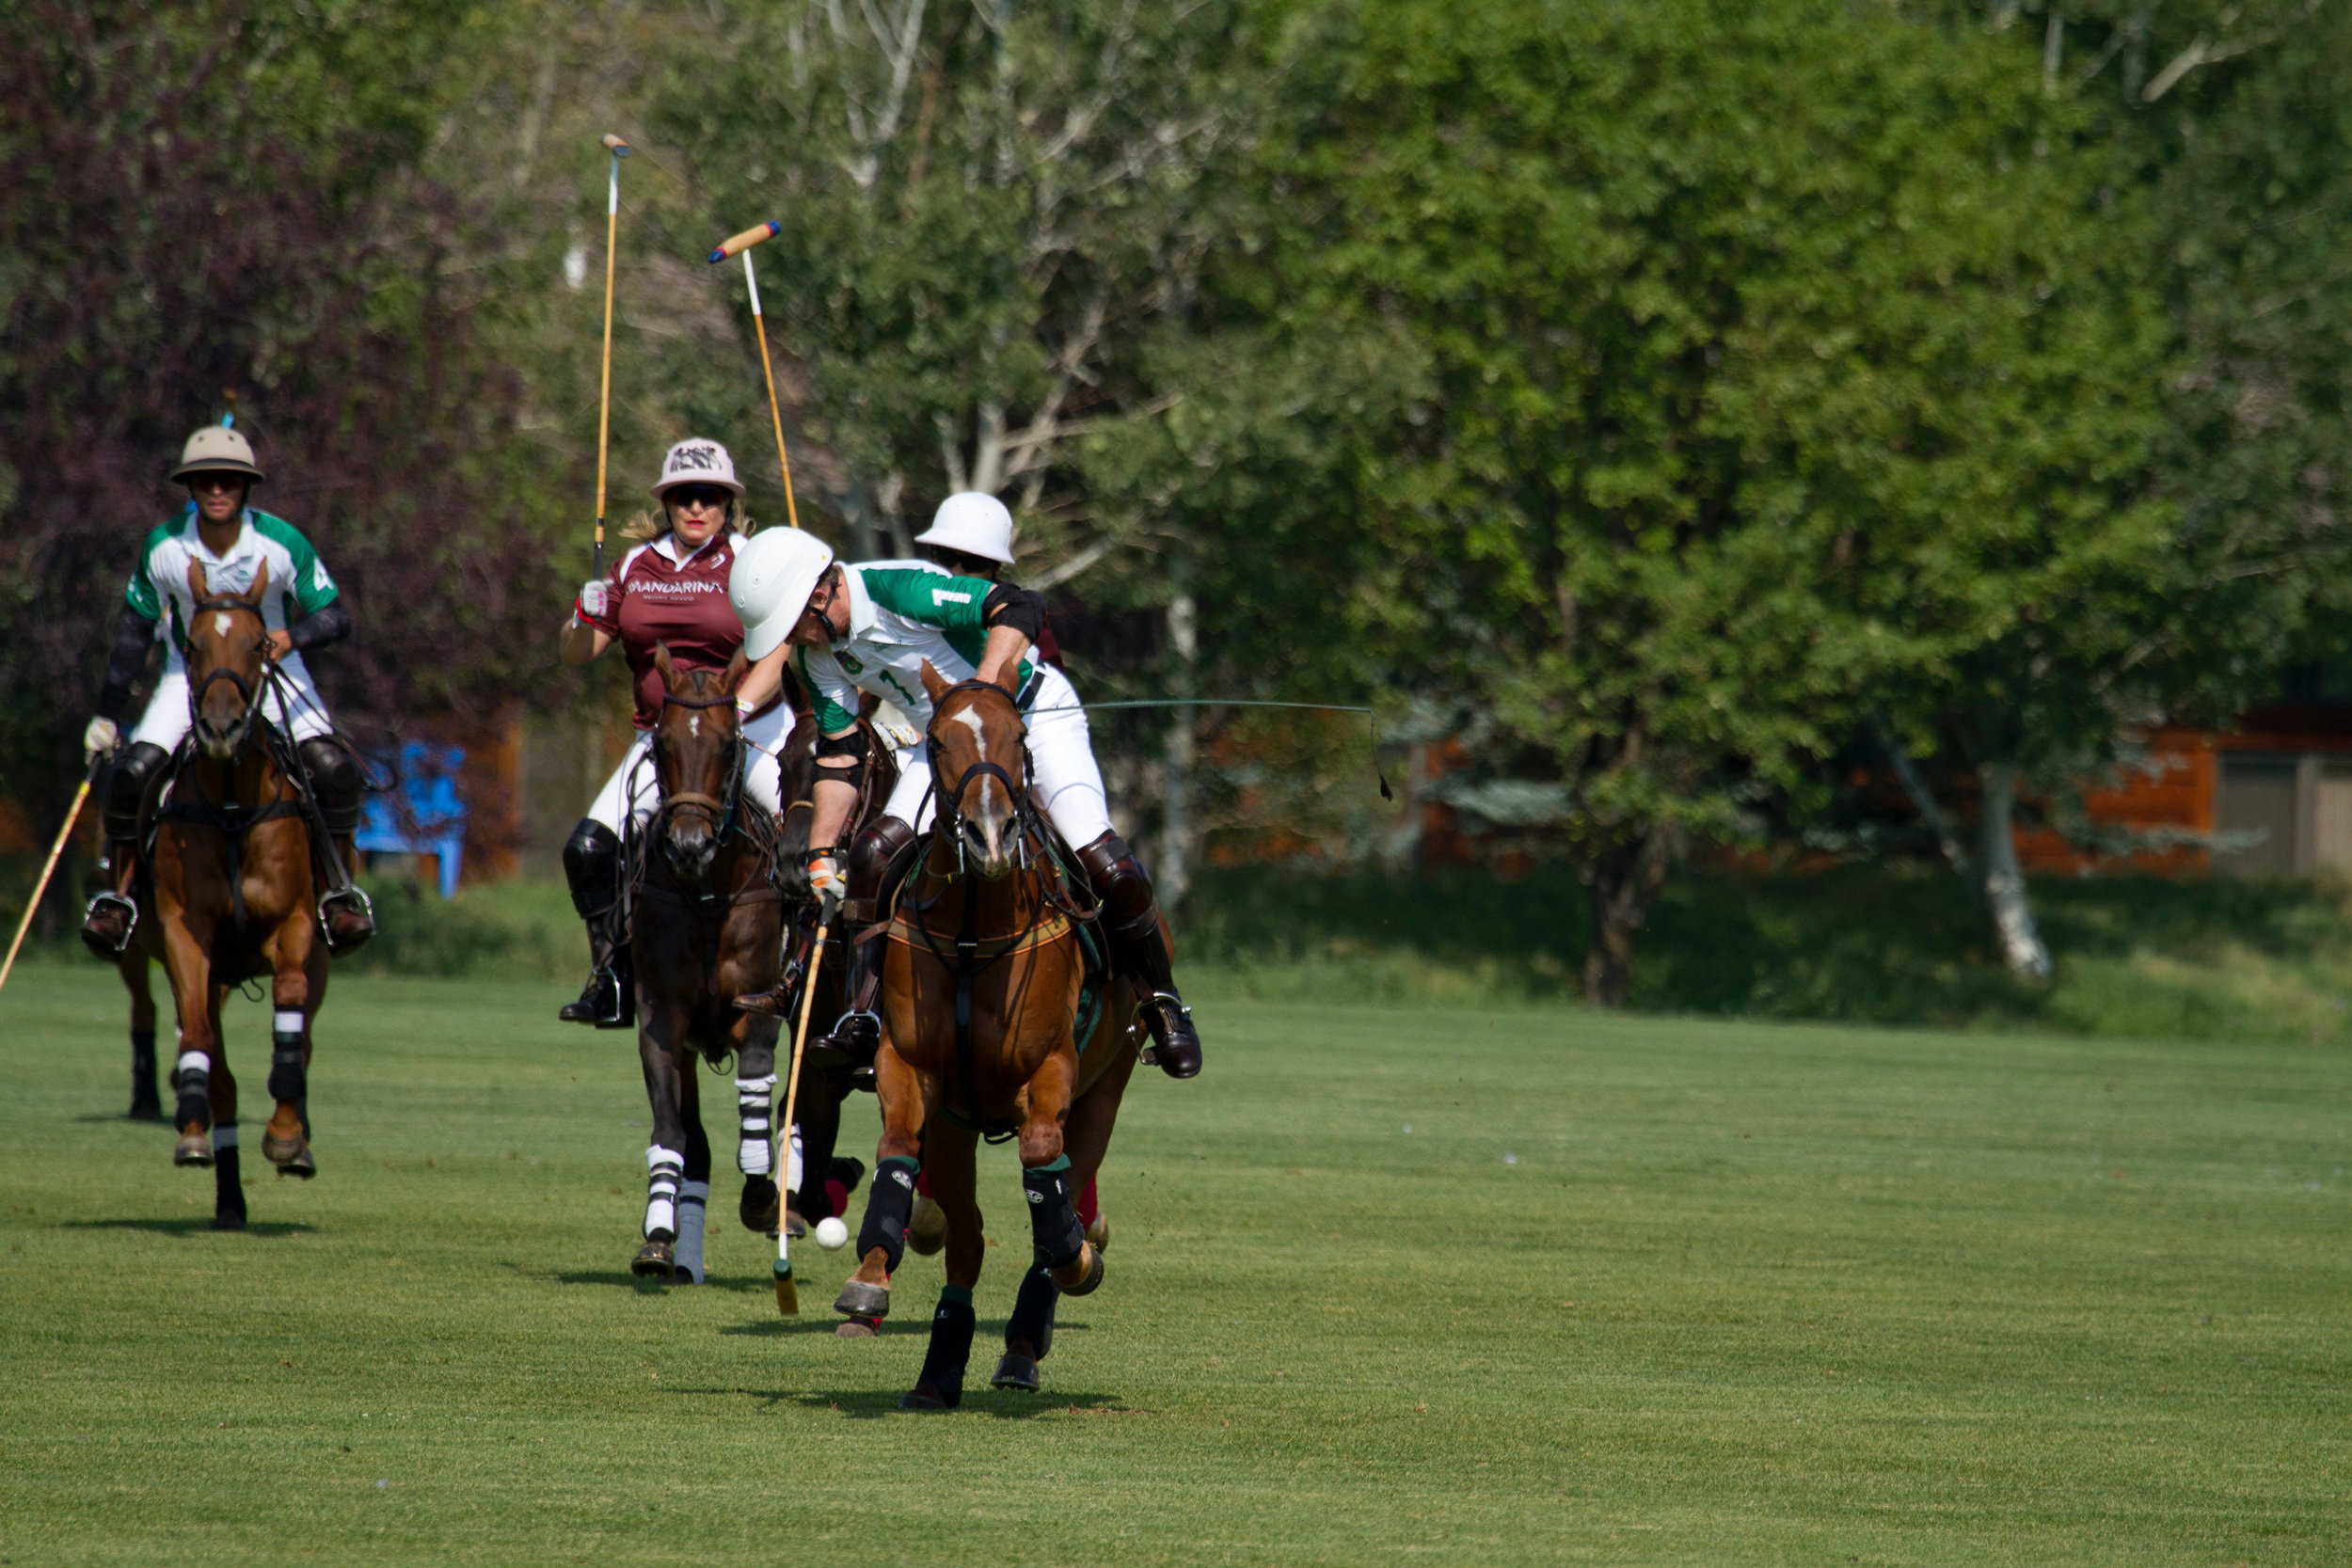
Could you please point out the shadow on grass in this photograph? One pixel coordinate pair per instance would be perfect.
(647, 1286)
(194, 1226)
(819, 1321)
(97, 1118)
(999, 1404)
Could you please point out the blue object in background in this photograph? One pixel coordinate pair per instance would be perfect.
(423, 816)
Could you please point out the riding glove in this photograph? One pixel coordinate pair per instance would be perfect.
(594, 596)
(825, 876)
(99, 739)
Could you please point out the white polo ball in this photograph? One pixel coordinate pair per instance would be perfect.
(832, 1234)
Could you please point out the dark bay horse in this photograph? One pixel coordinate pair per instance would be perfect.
(237, 894)
(981, 990)
(706, 923)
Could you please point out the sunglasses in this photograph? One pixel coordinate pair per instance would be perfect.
(707, 496)
(216, 481)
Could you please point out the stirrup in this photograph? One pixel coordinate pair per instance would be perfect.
(107, 901)
(351, 898)
(855, 1038)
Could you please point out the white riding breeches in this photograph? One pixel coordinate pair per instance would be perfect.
(633, 781)
(1064, 779)
(294, 707)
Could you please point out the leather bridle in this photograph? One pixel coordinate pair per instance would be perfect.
(244, 731)
(948, 799)
(719, 811)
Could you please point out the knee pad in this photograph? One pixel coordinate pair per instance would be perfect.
(889, 1203)
(334, 780)
(133, 773)
(1053, 1223)
(592, 864)
(1119, 879)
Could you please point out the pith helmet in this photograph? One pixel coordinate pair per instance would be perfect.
(694, 461)
(972, 522)
(216, 449)
(774, 573)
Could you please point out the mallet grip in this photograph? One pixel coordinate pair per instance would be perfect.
(757, 234)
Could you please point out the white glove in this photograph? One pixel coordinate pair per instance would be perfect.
(100, 738)
(825, 876)
(594, 596)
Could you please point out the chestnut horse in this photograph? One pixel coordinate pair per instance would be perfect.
(981, 987)
(705, 924)
(236, 894)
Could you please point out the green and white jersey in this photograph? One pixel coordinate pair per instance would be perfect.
(298, 584)
(902, 614)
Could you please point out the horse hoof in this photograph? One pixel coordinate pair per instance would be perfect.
(655, 1260)
(760, 1204)
(927, 1227)
(859, 1329)
(227, 1222)
(301, 1165)
(924, 1399)
(1093, 1263)
(292, 1156)
(1017, 1372)
(861, 1300)
(195, 1149)
(1099, 1234)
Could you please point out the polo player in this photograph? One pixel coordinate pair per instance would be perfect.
(870, 629)
(303, 610)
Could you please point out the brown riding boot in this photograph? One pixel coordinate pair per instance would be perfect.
(1132, 928)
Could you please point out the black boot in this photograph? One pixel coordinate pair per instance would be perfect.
(112, 916)
(877, 862)
(1138, 942)
(592, 864)
(344, 914)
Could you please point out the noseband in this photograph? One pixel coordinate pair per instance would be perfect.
(196, 689)
(719, 812)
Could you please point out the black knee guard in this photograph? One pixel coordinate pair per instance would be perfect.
(1131, 913)
(950, 1348)
(1054, 1227)
(878, 859)
(133, 771)
(335, 781)
(1033, 1312)
(592, 864)
(889, 1204)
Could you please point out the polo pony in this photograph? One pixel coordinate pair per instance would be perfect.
(991, 1028)
(236, 892)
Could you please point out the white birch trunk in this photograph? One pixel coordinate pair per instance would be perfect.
(2004, 880)
(1176, 830)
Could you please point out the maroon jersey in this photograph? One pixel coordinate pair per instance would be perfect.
(656, 597)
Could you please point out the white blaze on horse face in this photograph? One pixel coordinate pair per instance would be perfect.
(989, 818)
(221, 623)
(694, 725)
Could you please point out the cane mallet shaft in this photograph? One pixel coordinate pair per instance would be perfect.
(775, 415)
(619, 149)
(787, 1294)
(49, 868)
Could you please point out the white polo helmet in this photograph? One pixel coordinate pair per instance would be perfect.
(217, 450)
(775, 571)
(972, 522)
(696, 461)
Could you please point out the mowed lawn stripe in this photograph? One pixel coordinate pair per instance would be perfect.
(1629, 1289)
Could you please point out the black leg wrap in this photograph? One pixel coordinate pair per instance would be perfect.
(227, 1188)
(194, 1086)
(1033, 1313)
(951, 1351)
(889, 1202)
(1054, 1227)
(145, 1098)
(287, 1080)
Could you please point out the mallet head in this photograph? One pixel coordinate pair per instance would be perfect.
(620, 149)
(757, 234)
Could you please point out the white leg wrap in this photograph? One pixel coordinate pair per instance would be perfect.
(754, 1155)
(225, 1137)
(694, 1211)
(195, 1061)
(663, 1169)
(286, 1021)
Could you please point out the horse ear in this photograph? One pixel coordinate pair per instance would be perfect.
(738, 668)
(260, 585)
(197, 587)
(934, 684)
(664, 666)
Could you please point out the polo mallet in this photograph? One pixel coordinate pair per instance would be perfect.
(49, 868)
(604, 397)
(741, 244)
(787, 1294)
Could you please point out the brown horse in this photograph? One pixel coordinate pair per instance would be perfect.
(706, 924)
(235, 894)
(981, 989)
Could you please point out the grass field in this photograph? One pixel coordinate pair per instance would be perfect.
(1385, 1285)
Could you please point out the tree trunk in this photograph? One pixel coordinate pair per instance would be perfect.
(2004, 881)
(1176, 814)
(1620, 885)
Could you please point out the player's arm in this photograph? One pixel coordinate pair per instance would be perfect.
(841, 757)
(1015, 617)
